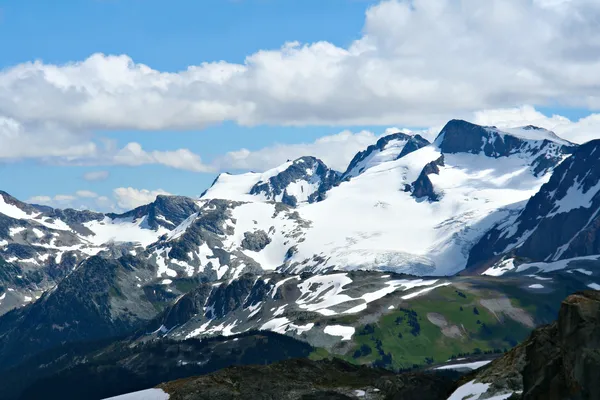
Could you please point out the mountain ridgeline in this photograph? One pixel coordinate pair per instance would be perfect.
(416, 252)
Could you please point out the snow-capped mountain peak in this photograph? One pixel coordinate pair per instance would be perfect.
(561, 221)
(543, 147)
(387, 148)
(304, 180)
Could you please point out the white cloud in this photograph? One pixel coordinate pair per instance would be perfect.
(44, 200)
(129, 198)
(86, 194)
(418, 63)
(338, 150)
(133, 154)
(123, 199)
(581, 131)
(335, 150)
(96, 176)
(64, 198)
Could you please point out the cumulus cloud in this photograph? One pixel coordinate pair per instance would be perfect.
(82, 199)
(133, 154)
(86, 194)
(580, 131)
(338, 150)
(96, 176)
(43, 200)
(335, 150)
(417, 63)
(123, 199)
(128, 198)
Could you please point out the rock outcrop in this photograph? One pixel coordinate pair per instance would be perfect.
(560, 361)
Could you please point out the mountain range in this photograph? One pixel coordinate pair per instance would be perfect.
(499, 224)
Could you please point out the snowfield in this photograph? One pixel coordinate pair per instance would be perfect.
(148, 394)
(370, 222)
(400, 208)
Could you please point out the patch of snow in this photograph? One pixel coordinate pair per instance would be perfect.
(469, 390)
(37, 233)
(594, 286)
(15, 231)
(473, 391)
(148, 394)
(345, 332)
(555, 265)
(13, 211)
(280, 310)
(166, 282)
(536, 286)
(423, 291)
(180, 230)
(500, 268)
(122, 230)
(472, 365)
(278, 325)
(583, 271)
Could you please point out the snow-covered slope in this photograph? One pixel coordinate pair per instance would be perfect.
(417, 211)
(560, 222)
(305, 180)
(39, 245)
(372, 222)
(402, 204)
(388, 148)
(279, 303)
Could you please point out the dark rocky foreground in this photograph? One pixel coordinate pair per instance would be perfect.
(303, 379)
(560, 361)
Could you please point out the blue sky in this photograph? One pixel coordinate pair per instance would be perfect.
(169, 37)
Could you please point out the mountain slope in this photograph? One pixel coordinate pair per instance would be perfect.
(304, 180)
(557, 362)
(388, 148)
(403, 215)
(560, 222)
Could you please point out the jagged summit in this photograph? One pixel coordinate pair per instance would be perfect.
(166, 211)
(459, 136)
(387, 148)
(304, 180)
(560, 222)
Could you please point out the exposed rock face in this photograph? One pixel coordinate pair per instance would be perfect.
(307, 380)
(165, 211)
(255, 241)
(561, 221)
(90, 371)
(97, 300)
(422, 187)
(409, 144)
(464, 137)
(306, 179)
(563, 360)
(560, 361)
